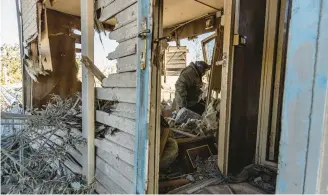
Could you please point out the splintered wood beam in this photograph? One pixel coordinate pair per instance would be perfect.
(88, 95)
(93, 68)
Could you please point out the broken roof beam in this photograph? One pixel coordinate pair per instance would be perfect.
(191, 29)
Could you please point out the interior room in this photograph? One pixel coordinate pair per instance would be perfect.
(189, 141)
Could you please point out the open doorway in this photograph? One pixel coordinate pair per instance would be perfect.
(243, 53)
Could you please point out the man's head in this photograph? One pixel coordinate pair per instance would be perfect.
(202, 67)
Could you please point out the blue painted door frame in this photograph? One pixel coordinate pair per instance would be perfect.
(143, 89)
(305, 96)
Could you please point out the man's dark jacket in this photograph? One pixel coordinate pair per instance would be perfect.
(188, 86)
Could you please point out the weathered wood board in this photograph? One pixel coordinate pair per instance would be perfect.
(117, 94)
(124, 124)
(116, 150)
(120, 165)
(128, 79)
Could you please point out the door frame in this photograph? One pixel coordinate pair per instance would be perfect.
(230, 28)
(274, 50)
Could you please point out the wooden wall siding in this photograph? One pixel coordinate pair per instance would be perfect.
(115, 7)
(29, 18)
(115, 153)
(121, 123)
(116, 150)
(125, 48)
(127, 95)
(124, 33)
(125, 64)
(127, 79)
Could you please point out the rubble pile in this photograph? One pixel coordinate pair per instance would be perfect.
(189, 121)
(33, 159)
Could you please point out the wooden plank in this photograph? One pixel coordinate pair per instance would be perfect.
(126, 110)
(30, 18)
(268, 60)
(30, 32)
(108, 183)
(124, 115)
(118, 151)
(102, 3)
(176, 61)
(193, 28)
(225, 105)
(125, 107)
(27, 9)
(128, 63)
(100, 189)
(125, 48)
(92, 68)
(173, 73)
(118, 164)
(73, 167)
(116, 176)
(127, 79)
(178, 66)
(124, 33)
(114, 8)
(129, 15)
(177, 49)
(124, 124)
(117, 94)
(88, 95)
(121, 138)
(172, 183)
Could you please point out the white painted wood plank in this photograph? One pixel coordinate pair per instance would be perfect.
(117, 94)
(114, 8)
(30, 32)
(108, 183)
(173, 73)
(127, 16)
(102, 3)
(125, 48)
(116, 176)
(125, 107)
(100, 189)
(127, 79)
(118, 151)
(121, 166)
(124, 33)
(29, 17)
(126, 110)
(121, 138)
(124, 114)
(128, 63)
(124, 124)
(27, 8)
(88, 94)
(73, 167)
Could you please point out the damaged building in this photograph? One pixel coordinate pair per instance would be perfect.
(264, 127)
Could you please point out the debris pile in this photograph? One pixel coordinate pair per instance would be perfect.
(34, 160)
(196, 159)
